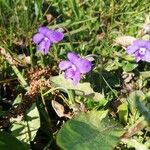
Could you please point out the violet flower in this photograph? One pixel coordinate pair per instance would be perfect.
(75, 66)
(45, 37)
(140, 49)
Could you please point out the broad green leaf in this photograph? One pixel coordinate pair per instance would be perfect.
(143, 110)
(89, 131)
(132, 100)
(83, 89)
(25, 130)
(7, 142)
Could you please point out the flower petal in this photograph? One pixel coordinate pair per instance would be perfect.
(138, 57)
(37, 38)
(43, 30)
(55, 36)
(47, 46)
(132, 49)
(69, 73)
(63, 65)
(140, 43)
(148, 45)
(147, 56)
(74, 75)
(41, 46)
(44, 46)
(73, 57)
(83, 65)
(76, 78)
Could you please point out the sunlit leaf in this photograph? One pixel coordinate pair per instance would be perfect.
(83, 89)
(132, 143)
(127, 66)
(17, 100)
(26, 129)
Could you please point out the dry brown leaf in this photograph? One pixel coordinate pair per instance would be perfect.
(101, 36)
(49, 18)
(59, 109)
(124, 40)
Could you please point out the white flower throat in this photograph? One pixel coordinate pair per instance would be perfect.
(142, 51)
(74, 67)
(45, 38)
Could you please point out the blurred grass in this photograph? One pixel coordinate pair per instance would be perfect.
(84, 19)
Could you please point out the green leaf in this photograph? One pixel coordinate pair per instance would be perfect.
(25, 130)
(87, 131)
(143, 110)
(17, 100)
(7, 142)
(133, 143)
(145, 74)
(123, 112)
(83, 89)
(127, 66)
(132, 100)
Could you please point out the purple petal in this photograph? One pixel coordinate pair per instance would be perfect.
(147, 56)
(37, 38)
(41, 46)
(43, 30)
(140, 43)
(132, 49)
(76, 78)
(148, 45)
(54, 36)
(83, 65)
(44, 46)
(137, 56)
(47, 46)
(74, 75)
(73, 57)
(69, 73)
(63, 65)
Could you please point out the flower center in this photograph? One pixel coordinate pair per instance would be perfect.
(142, 51)
(45, 39)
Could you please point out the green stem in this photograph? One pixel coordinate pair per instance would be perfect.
(20, 77)
(42, 60)
(71, 95)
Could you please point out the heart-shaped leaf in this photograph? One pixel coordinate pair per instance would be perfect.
(90, 131)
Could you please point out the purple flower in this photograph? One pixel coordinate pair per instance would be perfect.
(45, 37)
(75, 66)
(140, 49)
